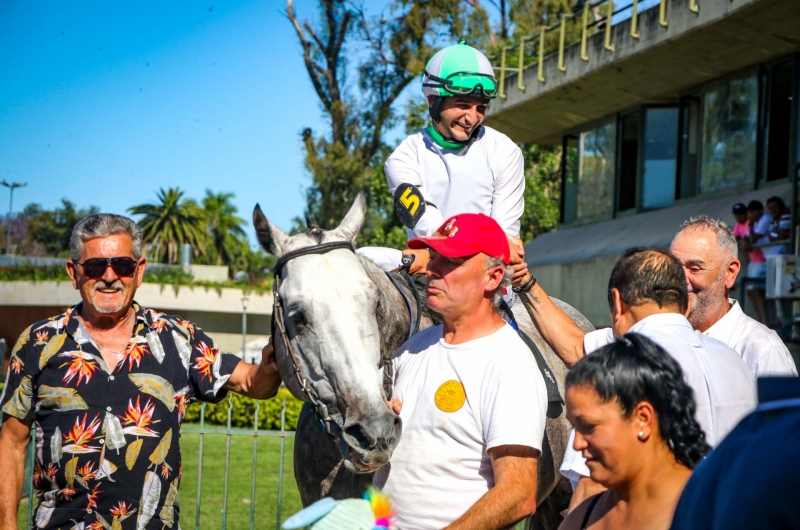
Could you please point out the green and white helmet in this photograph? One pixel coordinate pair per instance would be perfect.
(459, 70)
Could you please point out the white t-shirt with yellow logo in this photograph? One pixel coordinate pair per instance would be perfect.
(458, 402)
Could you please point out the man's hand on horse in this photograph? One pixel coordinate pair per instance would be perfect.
(268, 361)
(421, 259)
(396, 405)
(517, 260)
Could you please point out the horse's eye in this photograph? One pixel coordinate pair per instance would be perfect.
(298, 317)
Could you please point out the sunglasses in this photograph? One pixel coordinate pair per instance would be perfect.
(95, 267)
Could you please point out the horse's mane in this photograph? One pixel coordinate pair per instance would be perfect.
(378, 277)
(393, 320)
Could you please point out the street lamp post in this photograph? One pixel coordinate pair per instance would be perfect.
(11, 186)
(245, 301)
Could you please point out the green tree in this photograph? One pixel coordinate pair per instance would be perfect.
(542, 190)
(387, 54)
(257, 264)
(52, 228)
(228, 239)
(170, 222)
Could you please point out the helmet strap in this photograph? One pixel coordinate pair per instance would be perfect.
(434, 107)
(451, 143)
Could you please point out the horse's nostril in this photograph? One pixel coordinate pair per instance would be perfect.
(357, 433)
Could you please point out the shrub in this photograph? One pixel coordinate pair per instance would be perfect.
(35, 273)
(243, 411)
(168, 275)
(269, 415)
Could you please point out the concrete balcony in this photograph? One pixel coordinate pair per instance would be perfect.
(693, 48)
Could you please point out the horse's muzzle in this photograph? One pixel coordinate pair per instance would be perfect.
(370, 444)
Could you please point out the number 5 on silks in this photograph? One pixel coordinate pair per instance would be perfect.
(409, 204)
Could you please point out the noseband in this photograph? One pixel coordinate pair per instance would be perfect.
(278, 320)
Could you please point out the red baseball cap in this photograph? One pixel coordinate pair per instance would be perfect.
(465, 235)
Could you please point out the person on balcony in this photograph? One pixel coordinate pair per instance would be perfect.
(456, 164)
(106, 385)
(780, 227)
(757, 269)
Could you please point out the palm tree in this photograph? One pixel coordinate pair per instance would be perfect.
(170, 222)
(227, 235)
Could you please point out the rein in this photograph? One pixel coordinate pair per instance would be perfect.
(386, 358)
(278, 320)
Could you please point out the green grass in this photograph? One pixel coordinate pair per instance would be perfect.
(238, 486)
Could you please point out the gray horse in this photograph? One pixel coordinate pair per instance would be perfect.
(343, 314)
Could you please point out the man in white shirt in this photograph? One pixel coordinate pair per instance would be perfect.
(469, 393)
(708, 252)
(455, 165)
(647, 294)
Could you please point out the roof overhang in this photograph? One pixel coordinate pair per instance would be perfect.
(648, 229)
(723, 37)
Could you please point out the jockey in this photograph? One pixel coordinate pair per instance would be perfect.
(456, 164)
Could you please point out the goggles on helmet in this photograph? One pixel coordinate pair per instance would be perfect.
(465, 84)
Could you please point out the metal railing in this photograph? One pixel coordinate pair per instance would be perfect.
(591, 19)
(201, 431)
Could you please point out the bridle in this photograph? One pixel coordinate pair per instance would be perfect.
(278, 320)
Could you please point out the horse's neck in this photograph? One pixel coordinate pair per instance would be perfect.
(393, 318)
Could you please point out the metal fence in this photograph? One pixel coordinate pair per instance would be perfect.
(201, 431)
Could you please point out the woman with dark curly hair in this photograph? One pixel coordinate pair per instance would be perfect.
(634, 423)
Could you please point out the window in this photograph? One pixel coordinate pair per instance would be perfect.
(588, 174)
(595, 194)
(629, 161)
(659, 157)
(689, 146)
(570, 179)
(778, 84)
(730, 111)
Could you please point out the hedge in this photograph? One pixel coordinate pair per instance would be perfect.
(269, 415)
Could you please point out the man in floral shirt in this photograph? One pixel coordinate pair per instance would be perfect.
(106, 385)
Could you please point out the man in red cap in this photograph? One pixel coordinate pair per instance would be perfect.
(467, 457)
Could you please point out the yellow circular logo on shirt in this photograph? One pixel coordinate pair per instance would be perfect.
(450, 396)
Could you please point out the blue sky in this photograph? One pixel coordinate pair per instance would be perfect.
(104, 102)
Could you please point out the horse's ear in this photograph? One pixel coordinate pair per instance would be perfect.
(352, 222)
(272, 238)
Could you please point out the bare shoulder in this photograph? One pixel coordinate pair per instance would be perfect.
(574, 520)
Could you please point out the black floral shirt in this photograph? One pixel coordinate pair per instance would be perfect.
(107, 451)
